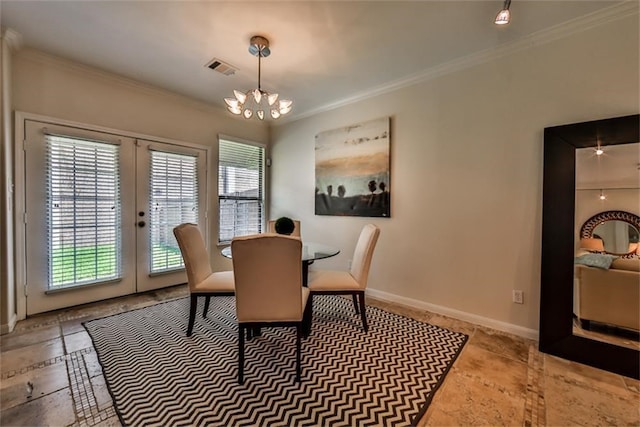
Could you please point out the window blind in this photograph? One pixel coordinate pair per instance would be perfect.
(240, 189)
(83, 211)
(173, 199)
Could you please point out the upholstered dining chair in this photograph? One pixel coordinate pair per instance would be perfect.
(271, 227)
(352, 282)
(269, 291)
(203, 282)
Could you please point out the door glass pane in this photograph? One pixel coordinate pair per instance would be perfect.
(173, 200)
(83, 211)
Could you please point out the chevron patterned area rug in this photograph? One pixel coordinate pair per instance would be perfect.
(158, 376)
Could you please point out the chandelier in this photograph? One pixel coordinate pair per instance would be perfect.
(257, 101)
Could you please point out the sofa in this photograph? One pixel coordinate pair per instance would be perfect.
(608, 295)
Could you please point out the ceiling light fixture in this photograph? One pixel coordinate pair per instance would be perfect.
(602, 196)
(599, 151)
(504, 16)
(258, 101)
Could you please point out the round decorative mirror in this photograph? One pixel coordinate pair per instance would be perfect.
(619, 231)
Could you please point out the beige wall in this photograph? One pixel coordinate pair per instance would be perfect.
(466, 172)
(50, 86)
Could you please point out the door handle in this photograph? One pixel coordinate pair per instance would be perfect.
(141, 224)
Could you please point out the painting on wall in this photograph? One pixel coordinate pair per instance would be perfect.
(352, 170)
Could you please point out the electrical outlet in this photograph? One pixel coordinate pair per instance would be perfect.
(518, 296)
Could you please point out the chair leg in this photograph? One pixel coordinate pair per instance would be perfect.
(240, 354)
(298, 351)
(355, 303)
(363, 311)
(192, 314)
(307, 318)
(206, 306)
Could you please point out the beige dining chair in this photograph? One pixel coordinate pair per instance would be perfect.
(269, 291)
(271, 227)
(352, 282)
(203, 282)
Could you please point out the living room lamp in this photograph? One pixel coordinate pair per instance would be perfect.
(504, 16)
(257, 101)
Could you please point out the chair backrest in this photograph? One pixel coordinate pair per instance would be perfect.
(194, 252)
(268, 277)
(271, 227)
(363, 253)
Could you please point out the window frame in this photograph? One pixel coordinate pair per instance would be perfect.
(262, 184)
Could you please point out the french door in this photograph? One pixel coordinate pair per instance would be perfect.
(100, 210)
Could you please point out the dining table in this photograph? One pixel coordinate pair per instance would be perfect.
(311, 251)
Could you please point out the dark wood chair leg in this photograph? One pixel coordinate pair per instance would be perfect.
(298, 351)
(206, 306)
(307, 318)
(355, 303)
(241, 354)
(192, 314)
(363, 311)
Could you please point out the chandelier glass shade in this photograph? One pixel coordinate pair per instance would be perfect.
(504, 16)
(258, 102)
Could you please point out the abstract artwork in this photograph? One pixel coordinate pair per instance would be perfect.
(352, 170)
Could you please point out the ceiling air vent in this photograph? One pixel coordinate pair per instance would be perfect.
(221, 67)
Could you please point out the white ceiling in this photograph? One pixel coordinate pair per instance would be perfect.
(323, 53)
(617, 167)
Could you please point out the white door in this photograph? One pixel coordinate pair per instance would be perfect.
(100, 209)
(170, 191)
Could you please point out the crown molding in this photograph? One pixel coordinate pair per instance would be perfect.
(566, 29)
(12, 37)
(69, 65)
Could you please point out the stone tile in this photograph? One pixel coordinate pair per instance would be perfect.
(14, 390)
(93, 365)
(465, 401)
(575, 405)
(25, 338)
(37, 321)
(109, 422)
(491, 369)
(16, 359)
(583, 375)
(77, 341)
(632, 384)
(452, 324)
(74, 325)
(101, 392)
(55, 409)
(516, 348)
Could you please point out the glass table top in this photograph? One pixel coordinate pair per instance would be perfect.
(310, 251)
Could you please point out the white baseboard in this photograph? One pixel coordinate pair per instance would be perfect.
(521, 331)
(5, 328)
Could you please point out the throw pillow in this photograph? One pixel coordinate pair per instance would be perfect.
(596, 260)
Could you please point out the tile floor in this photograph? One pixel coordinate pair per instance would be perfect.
(50, 375)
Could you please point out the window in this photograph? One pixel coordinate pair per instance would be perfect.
(173, 199)
(83, 211)
(240, 189)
